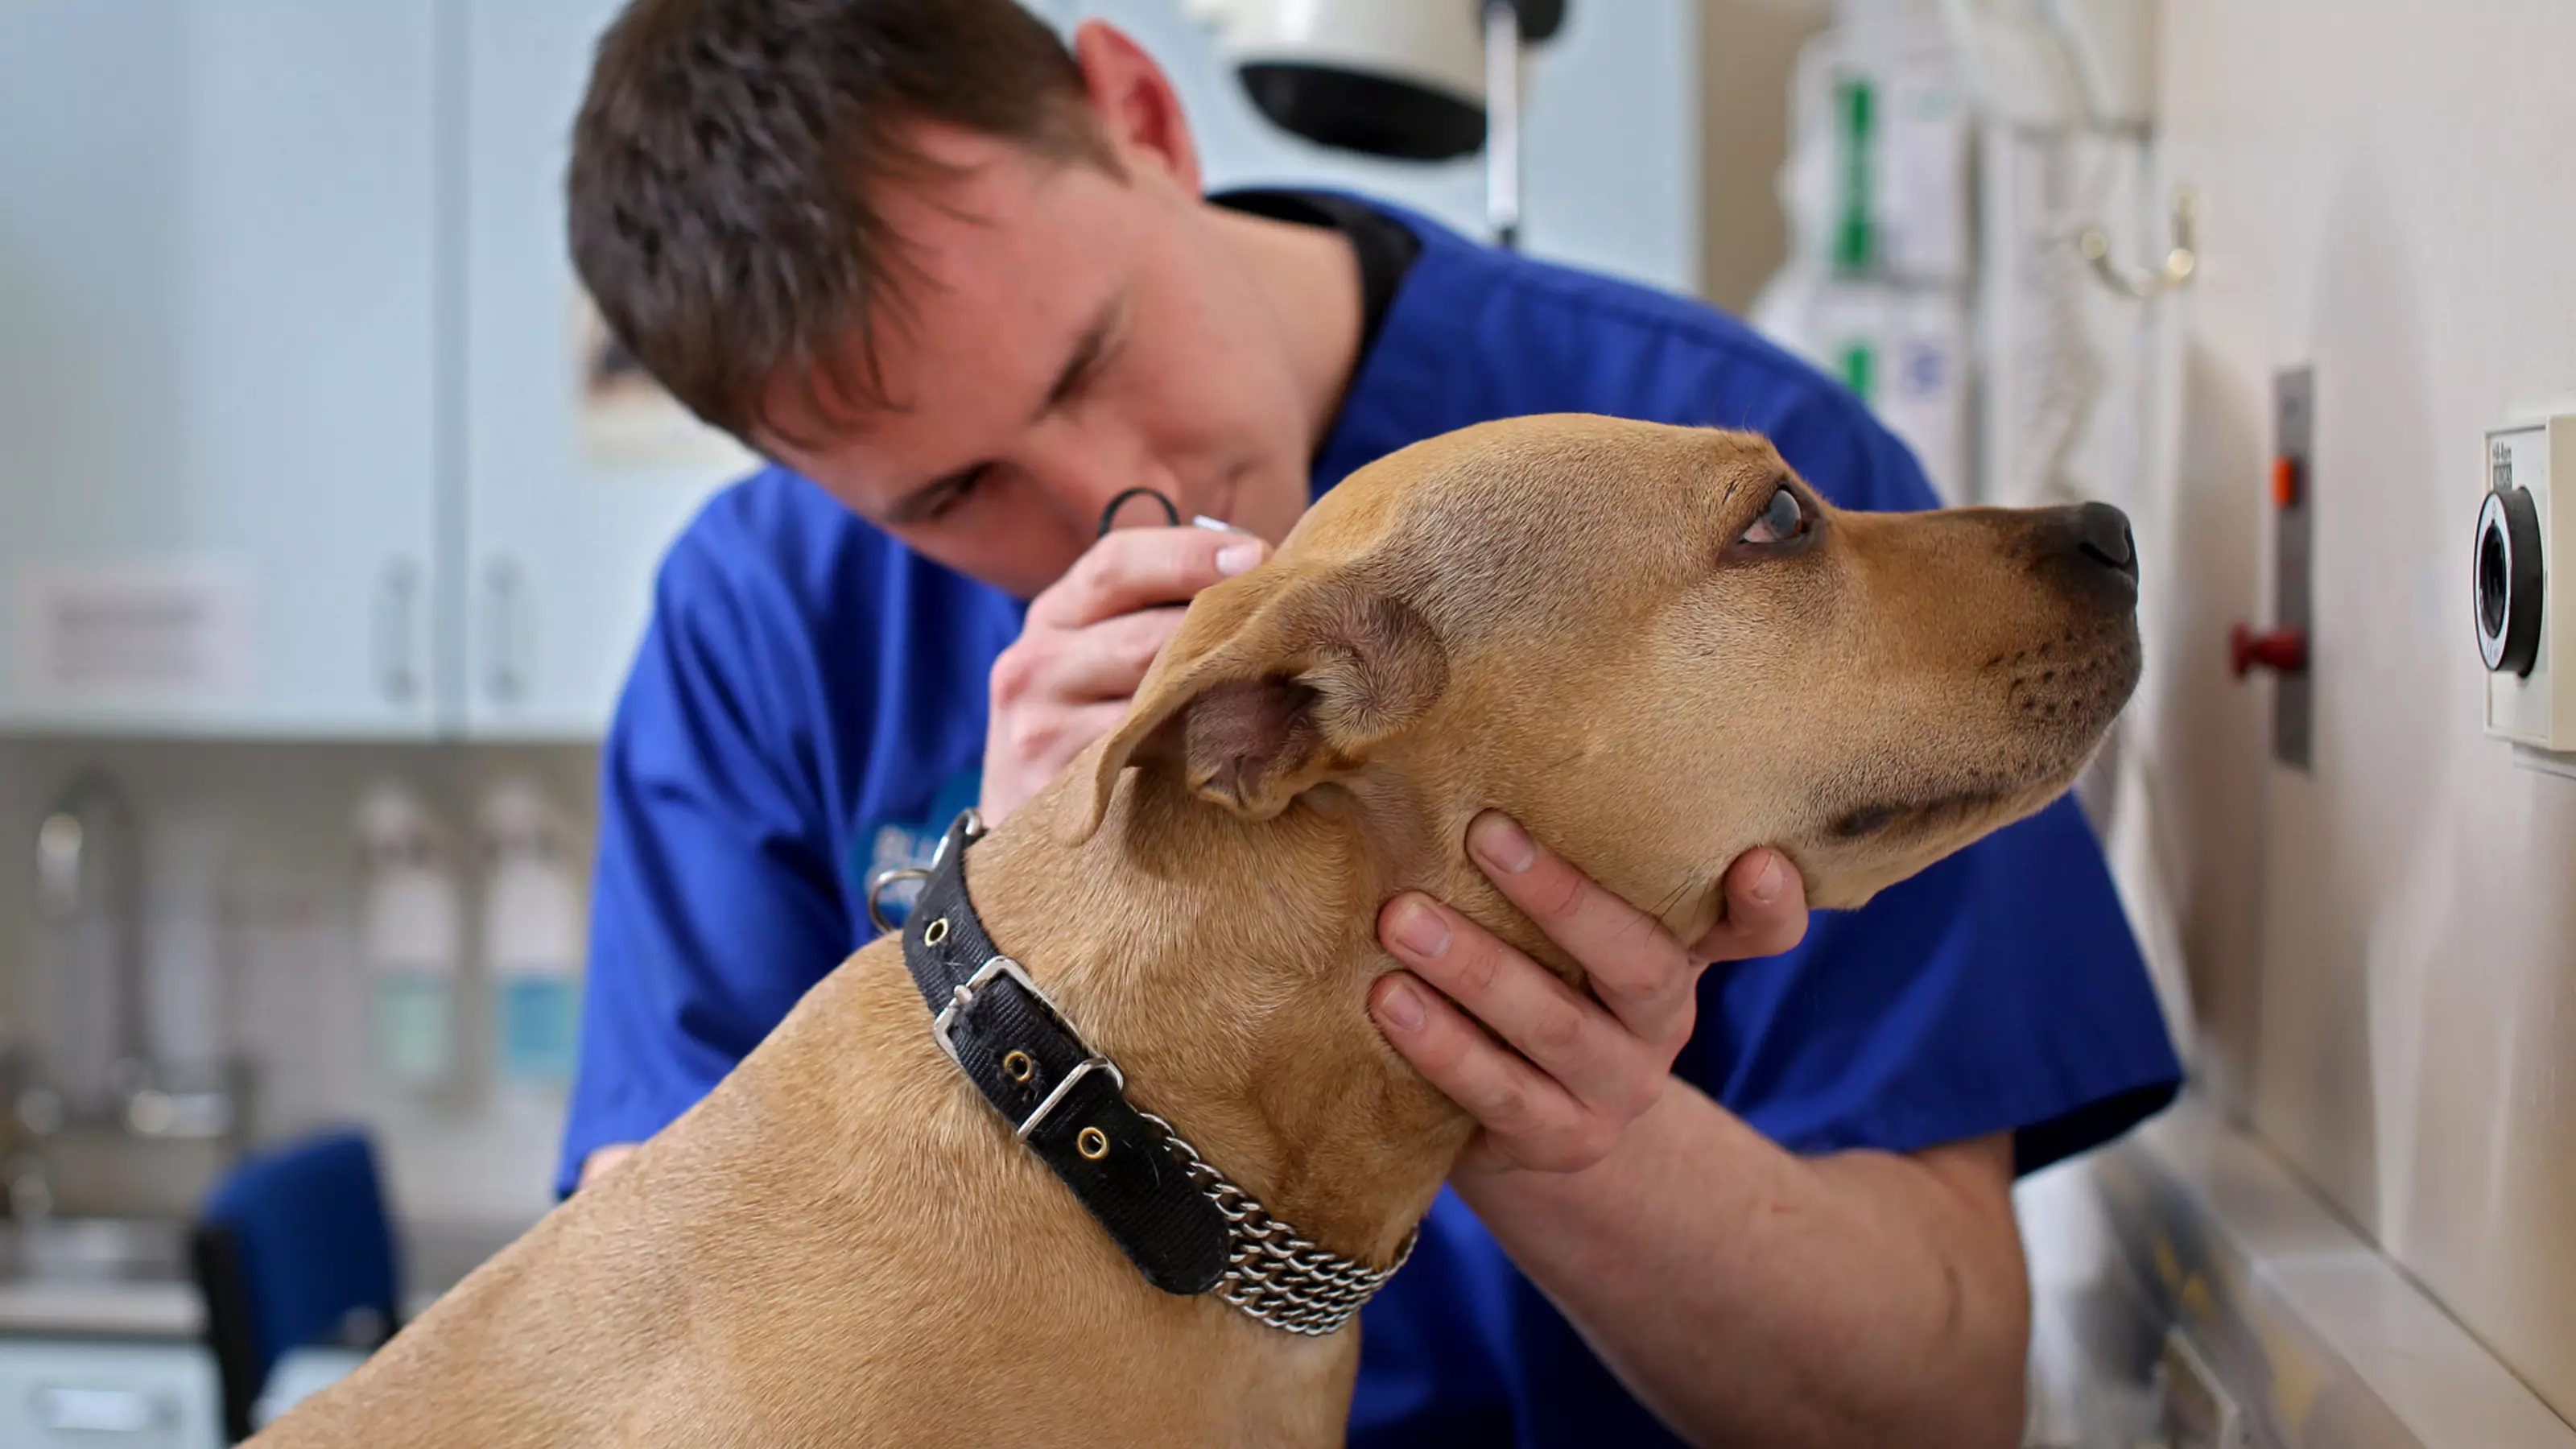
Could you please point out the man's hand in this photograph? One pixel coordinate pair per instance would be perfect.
(604, 1160)
(1578, 1069)
(1745, 1295)
(1087, 644)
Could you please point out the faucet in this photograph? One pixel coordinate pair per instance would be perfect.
(89, 886)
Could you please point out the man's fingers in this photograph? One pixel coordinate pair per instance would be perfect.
(1086, 645)
(1109, 659)
(1041, 742)
(1766, 910)
(1561, 1032)
(1633, 965)
(1104, 661)
(604, 1160)
(1514, 1102)
(1132, 568)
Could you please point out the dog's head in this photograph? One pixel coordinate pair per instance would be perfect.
(1656, 647)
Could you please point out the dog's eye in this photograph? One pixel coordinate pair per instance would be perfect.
(1782, 519)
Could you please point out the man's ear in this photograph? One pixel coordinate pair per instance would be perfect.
(1275, 683)
(1133, 102)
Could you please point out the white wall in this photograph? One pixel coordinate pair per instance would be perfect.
(2384, 952)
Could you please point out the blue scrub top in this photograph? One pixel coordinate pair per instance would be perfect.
(808, 707)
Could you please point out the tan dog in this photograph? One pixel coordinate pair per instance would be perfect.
(1651, 645)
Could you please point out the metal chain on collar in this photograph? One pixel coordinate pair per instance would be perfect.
(1272, 1273)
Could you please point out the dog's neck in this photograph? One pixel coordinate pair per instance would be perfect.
(1225, 965)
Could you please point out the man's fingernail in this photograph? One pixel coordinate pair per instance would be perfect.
(1767, 885)
(1502, 842)
(1419, 929)
(1402, 1007)
(1235, 558)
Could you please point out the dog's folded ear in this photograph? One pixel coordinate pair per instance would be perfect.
(1276, 682)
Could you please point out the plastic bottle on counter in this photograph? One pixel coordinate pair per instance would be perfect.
(411, 939)
(532, 935)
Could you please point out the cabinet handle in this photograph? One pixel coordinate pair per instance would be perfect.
(505, 584)
(397, 673)
(95, 1411)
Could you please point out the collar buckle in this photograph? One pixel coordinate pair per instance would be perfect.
(1088, 1065)
(961, 998)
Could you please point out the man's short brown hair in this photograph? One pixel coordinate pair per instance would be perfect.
(721, 162)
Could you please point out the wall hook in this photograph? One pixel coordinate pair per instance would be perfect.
(2181, 261)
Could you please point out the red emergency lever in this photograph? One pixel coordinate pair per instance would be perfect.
(2284, 651)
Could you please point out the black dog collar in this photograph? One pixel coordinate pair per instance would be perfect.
(1188, 1232)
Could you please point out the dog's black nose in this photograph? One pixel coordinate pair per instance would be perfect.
(2102, 535)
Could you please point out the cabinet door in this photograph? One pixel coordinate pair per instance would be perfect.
(218, 441)
(574, 486)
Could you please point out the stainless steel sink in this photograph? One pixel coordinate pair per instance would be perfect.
(93, 1250)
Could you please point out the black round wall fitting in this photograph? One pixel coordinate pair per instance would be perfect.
(2509, 581)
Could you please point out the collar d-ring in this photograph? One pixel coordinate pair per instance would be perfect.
(876, 887)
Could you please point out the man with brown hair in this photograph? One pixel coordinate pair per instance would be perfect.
(960, 284)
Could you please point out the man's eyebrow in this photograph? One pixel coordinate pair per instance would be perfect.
(913, 506)
(1086, 353)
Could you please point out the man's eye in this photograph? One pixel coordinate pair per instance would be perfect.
(958, 492)
(1781, 519)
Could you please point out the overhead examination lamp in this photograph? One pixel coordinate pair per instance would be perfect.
(1414, 80)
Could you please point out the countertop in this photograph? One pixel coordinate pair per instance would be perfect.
(157, 1300)
(119, 1309)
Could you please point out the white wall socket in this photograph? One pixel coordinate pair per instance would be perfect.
(2537, 708)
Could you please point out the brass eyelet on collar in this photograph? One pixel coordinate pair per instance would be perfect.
(1092, 1143)
(935, 932)
(1018, 1065)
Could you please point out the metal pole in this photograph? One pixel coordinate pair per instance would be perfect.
(1503, 121)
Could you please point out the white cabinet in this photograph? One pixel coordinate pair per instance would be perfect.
(218, 433)
(290, 435)
(568, 506)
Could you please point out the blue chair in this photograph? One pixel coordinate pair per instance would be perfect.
(292, 1247)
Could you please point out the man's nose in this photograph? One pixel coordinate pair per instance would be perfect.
(1084, 471)
(1125, 492)
(1143, 506)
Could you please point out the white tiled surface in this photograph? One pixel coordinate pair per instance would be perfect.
(278, 815)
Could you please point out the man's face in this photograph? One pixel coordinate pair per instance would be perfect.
(1060, 335)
